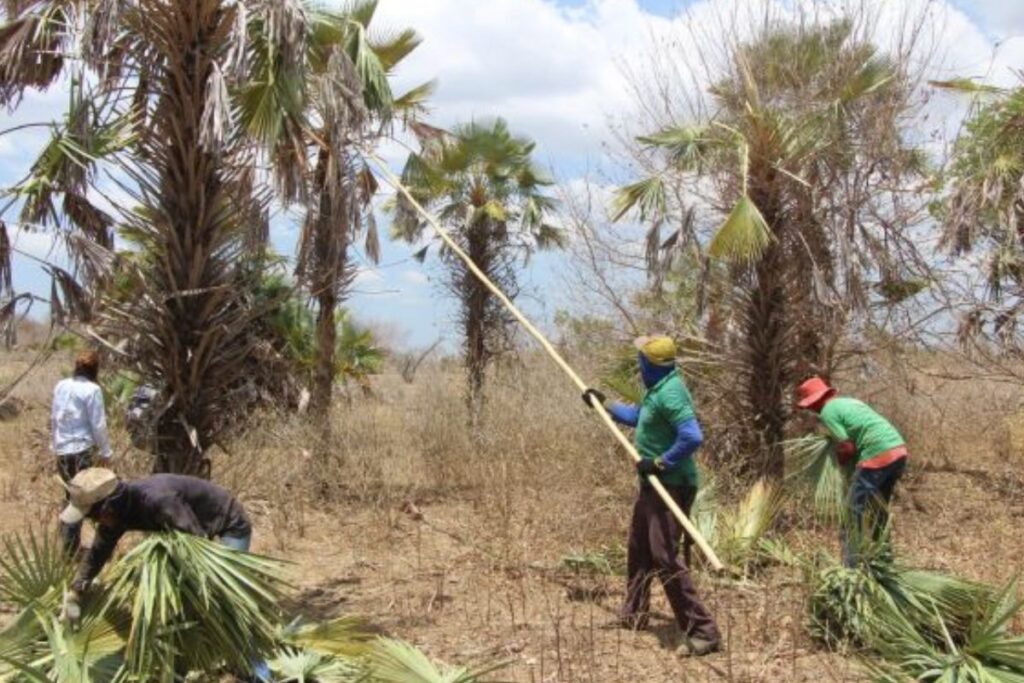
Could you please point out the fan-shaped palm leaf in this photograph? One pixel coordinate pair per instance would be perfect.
(744, 236)
(33, 568)
(811, 464)
(393, 661)
(647, 195)
(684, 145)
(196, 602)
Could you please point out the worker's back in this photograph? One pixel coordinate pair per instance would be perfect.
(77, 404)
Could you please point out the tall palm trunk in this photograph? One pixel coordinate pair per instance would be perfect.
(191, 270)
(767, 335)
(331, 275)
(474, 320)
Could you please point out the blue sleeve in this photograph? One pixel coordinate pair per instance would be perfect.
(624, 413)
(688, 439)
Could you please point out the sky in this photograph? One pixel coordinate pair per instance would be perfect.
(553, 69)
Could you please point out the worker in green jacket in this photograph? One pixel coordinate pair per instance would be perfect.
(667, 437)
(872, 445)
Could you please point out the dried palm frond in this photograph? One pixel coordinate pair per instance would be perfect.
(811, 464)
(742, 529)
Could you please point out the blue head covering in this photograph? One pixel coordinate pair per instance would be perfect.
(651, 373)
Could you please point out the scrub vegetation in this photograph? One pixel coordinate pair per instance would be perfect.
(779, 210)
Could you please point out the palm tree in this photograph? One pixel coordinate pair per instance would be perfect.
(806, 162)
(351, 108)
(985, 211)
(485, 187)
(211, 93)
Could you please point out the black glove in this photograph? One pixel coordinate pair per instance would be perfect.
(596, 394)
(649, 466)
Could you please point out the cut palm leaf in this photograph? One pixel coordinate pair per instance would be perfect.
(812, 466)
(196, 604)
(33, 566)
(741, 530)
(345, 636)
(393, 661)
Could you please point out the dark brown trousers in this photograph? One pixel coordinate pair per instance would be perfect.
(653, 552)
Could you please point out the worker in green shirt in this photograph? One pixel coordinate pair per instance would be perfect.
(872, 445)
(667, 436)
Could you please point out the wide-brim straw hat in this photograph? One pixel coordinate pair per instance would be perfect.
(85, 489)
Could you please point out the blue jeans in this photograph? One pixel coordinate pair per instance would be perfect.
(870, 493)
(240, 543)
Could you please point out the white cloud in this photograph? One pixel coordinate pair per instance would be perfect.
(1003, 18)
(415, 277)
(368, 276)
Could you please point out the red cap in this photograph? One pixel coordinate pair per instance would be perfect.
(813, 390)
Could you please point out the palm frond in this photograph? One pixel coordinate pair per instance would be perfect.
(647, 195)
(391, 50)
(704, 511)
(685, 145)
(301, 666)
(34, 568)
(412, 102)
(394, 661)
(742, 529)
(197, 602)
(811, 465)
(902, 650)
(344, 636)
(744, 236)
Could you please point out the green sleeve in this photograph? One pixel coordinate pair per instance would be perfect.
(675, 403)
(834, 425)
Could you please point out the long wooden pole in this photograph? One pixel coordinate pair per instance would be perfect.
(399, 187)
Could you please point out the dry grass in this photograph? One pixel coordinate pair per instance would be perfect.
(481, 577)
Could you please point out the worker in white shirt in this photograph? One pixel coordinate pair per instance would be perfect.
(79, 429)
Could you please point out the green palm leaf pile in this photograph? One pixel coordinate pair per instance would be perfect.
(196, 604)
(811, 467)
(848, 604)
(178, 605)
(986, 653)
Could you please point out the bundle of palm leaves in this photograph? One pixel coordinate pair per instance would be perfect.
(177, 604)
(195, 605)
(811, 466)
(848, 604)
(985, 653)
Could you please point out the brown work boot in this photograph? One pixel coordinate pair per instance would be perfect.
(698, 647)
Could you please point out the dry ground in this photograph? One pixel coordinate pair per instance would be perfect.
(480, 578)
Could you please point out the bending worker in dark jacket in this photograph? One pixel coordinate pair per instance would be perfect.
(162, 502)
(667, 436)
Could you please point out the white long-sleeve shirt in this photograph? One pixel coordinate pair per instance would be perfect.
(78, 418)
